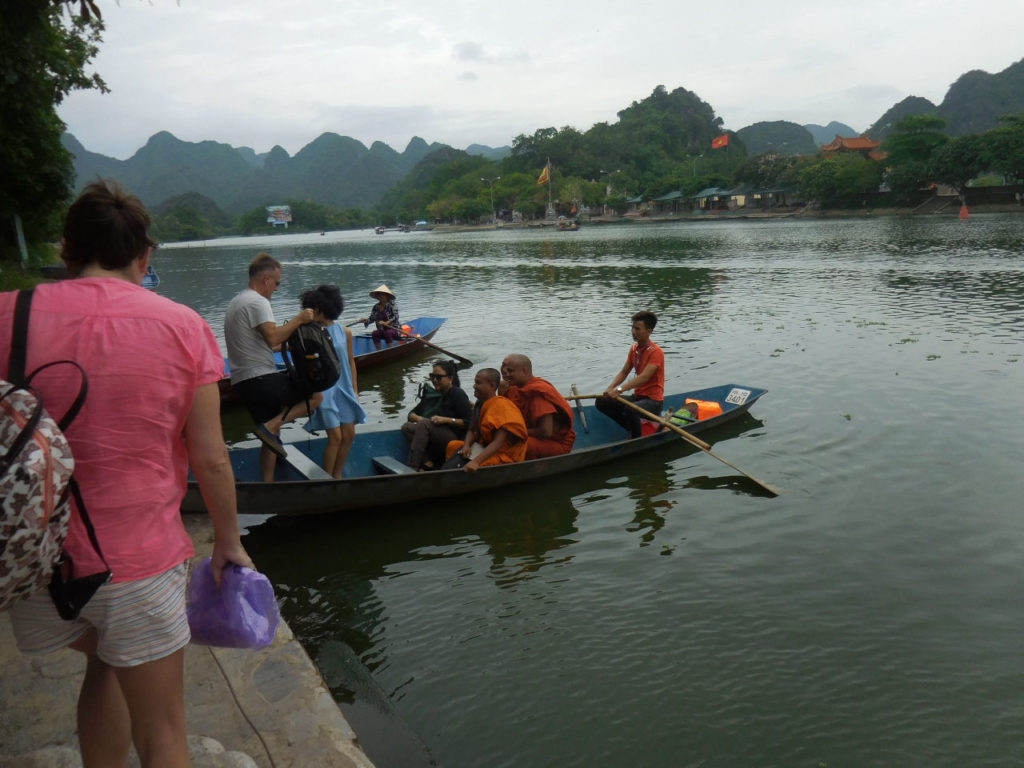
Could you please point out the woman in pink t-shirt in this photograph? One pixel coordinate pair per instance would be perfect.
(152, 410)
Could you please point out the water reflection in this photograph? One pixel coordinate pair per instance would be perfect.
(661, 606)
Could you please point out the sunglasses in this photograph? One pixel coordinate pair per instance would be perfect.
(438, 376)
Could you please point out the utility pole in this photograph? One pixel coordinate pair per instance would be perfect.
(490, 186)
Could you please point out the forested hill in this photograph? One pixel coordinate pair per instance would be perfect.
(333, 170)
(654, 142)
(973, 104)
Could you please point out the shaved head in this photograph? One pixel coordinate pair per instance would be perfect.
(516, 369)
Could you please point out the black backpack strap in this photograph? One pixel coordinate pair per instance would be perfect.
(19, 337)
(79, 401)
(16, 373)
(27, 432)
(84, 515)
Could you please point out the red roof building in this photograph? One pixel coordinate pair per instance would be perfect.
(861, 144)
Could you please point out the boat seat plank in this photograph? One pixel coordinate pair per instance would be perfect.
(305, 466)
(391, 466)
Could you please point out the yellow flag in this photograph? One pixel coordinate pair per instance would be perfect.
(545, 175)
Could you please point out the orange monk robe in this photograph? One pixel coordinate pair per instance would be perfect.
(497, 413)
(536, 399)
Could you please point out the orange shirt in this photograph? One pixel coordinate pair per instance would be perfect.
(639, 359)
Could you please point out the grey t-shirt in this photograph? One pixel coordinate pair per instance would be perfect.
(249, 355)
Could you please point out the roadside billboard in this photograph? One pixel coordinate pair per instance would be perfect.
(279, 214)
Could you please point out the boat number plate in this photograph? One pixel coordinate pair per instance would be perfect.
(738, 396)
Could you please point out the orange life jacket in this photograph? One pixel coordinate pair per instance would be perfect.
(705, 408)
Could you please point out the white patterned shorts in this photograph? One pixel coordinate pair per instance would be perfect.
(135, 621)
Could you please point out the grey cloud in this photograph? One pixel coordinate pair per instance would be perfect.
(469, 52)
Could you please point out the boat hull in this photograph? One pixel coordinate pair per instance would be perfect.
(366, 356)
(363, 488)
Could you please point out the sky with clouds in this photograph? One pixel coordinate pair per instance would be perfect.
(259, 73)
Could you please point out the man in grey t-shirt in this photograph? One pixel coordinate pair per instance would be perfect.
(251, 335)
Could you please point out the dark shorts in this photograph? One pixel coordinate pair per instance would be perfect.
(268, 396)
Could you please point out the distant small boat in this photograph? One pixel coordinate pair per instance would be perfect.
(568, 225)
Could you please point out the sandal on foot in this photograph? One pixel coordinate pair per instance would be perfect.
(269, 439)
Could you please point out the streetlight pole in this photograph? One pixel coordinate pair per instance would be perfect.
(490, 186)
(608, 187)
(695, 164)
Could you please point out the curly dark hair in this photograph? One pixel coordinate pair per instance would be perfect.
(326, 298)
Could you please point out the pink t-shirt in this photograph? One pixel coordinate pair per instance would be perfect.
(145, 356)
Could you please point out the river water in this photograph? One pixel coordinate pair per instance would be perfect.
(659, 612)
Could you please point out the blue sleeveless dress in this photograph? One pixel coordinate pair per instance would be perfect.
(340, 405)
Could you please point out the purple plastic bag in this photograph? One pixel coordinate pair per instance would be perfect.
(242, 613)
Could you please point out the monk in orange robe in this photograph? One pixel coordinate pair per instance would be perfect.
(548, 415)
(497, 426)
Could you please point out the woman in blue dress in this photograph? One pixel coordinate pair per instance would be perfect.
(340, 410)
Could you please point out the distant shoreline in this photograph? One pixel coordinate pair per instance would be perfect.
(741, 215)
(543, 224)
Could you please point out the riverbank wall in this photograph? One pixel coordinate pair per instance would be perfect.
(245, 709)
(935, 207)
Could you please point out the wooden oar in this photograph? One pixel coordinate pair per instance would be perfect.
(686, 436)
(354, 322)
(464, 360)
(579, 409)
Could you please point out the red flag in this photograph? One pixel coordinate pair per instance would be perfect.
(545, 175)
(721, 141)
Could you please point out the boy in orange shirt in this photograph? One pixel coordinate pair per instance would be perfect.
(646, 362)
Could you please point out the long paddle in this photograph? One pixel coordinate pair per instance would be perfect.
(686, 436)
(464, 360)
(579, 409)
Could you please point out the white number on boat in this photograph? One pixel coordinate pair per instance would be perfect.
(738, 396)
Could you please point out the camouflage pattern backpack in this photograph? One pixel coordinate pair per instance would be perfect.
(36, 469)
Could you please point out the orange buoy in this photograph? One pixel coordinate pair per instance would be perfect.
(407, 328)
(963, 212)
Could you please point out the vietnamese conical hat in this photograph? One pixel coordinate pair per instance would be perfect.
(382, 289)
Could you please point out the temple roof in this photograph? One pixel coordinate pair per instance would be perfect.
(858, 144)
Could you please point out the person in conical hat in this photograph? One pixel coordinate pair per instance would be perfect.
(385, 315)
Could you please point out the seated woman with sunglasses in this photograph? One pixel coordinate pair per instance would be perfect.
(434, 422)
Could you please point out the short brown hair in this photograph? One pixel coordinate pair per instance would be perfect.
(648, 318)
(263, 262)
(105, 226)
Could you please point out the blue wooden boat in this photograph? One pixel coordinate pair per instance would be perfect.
(366, 355)
(375, 475)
